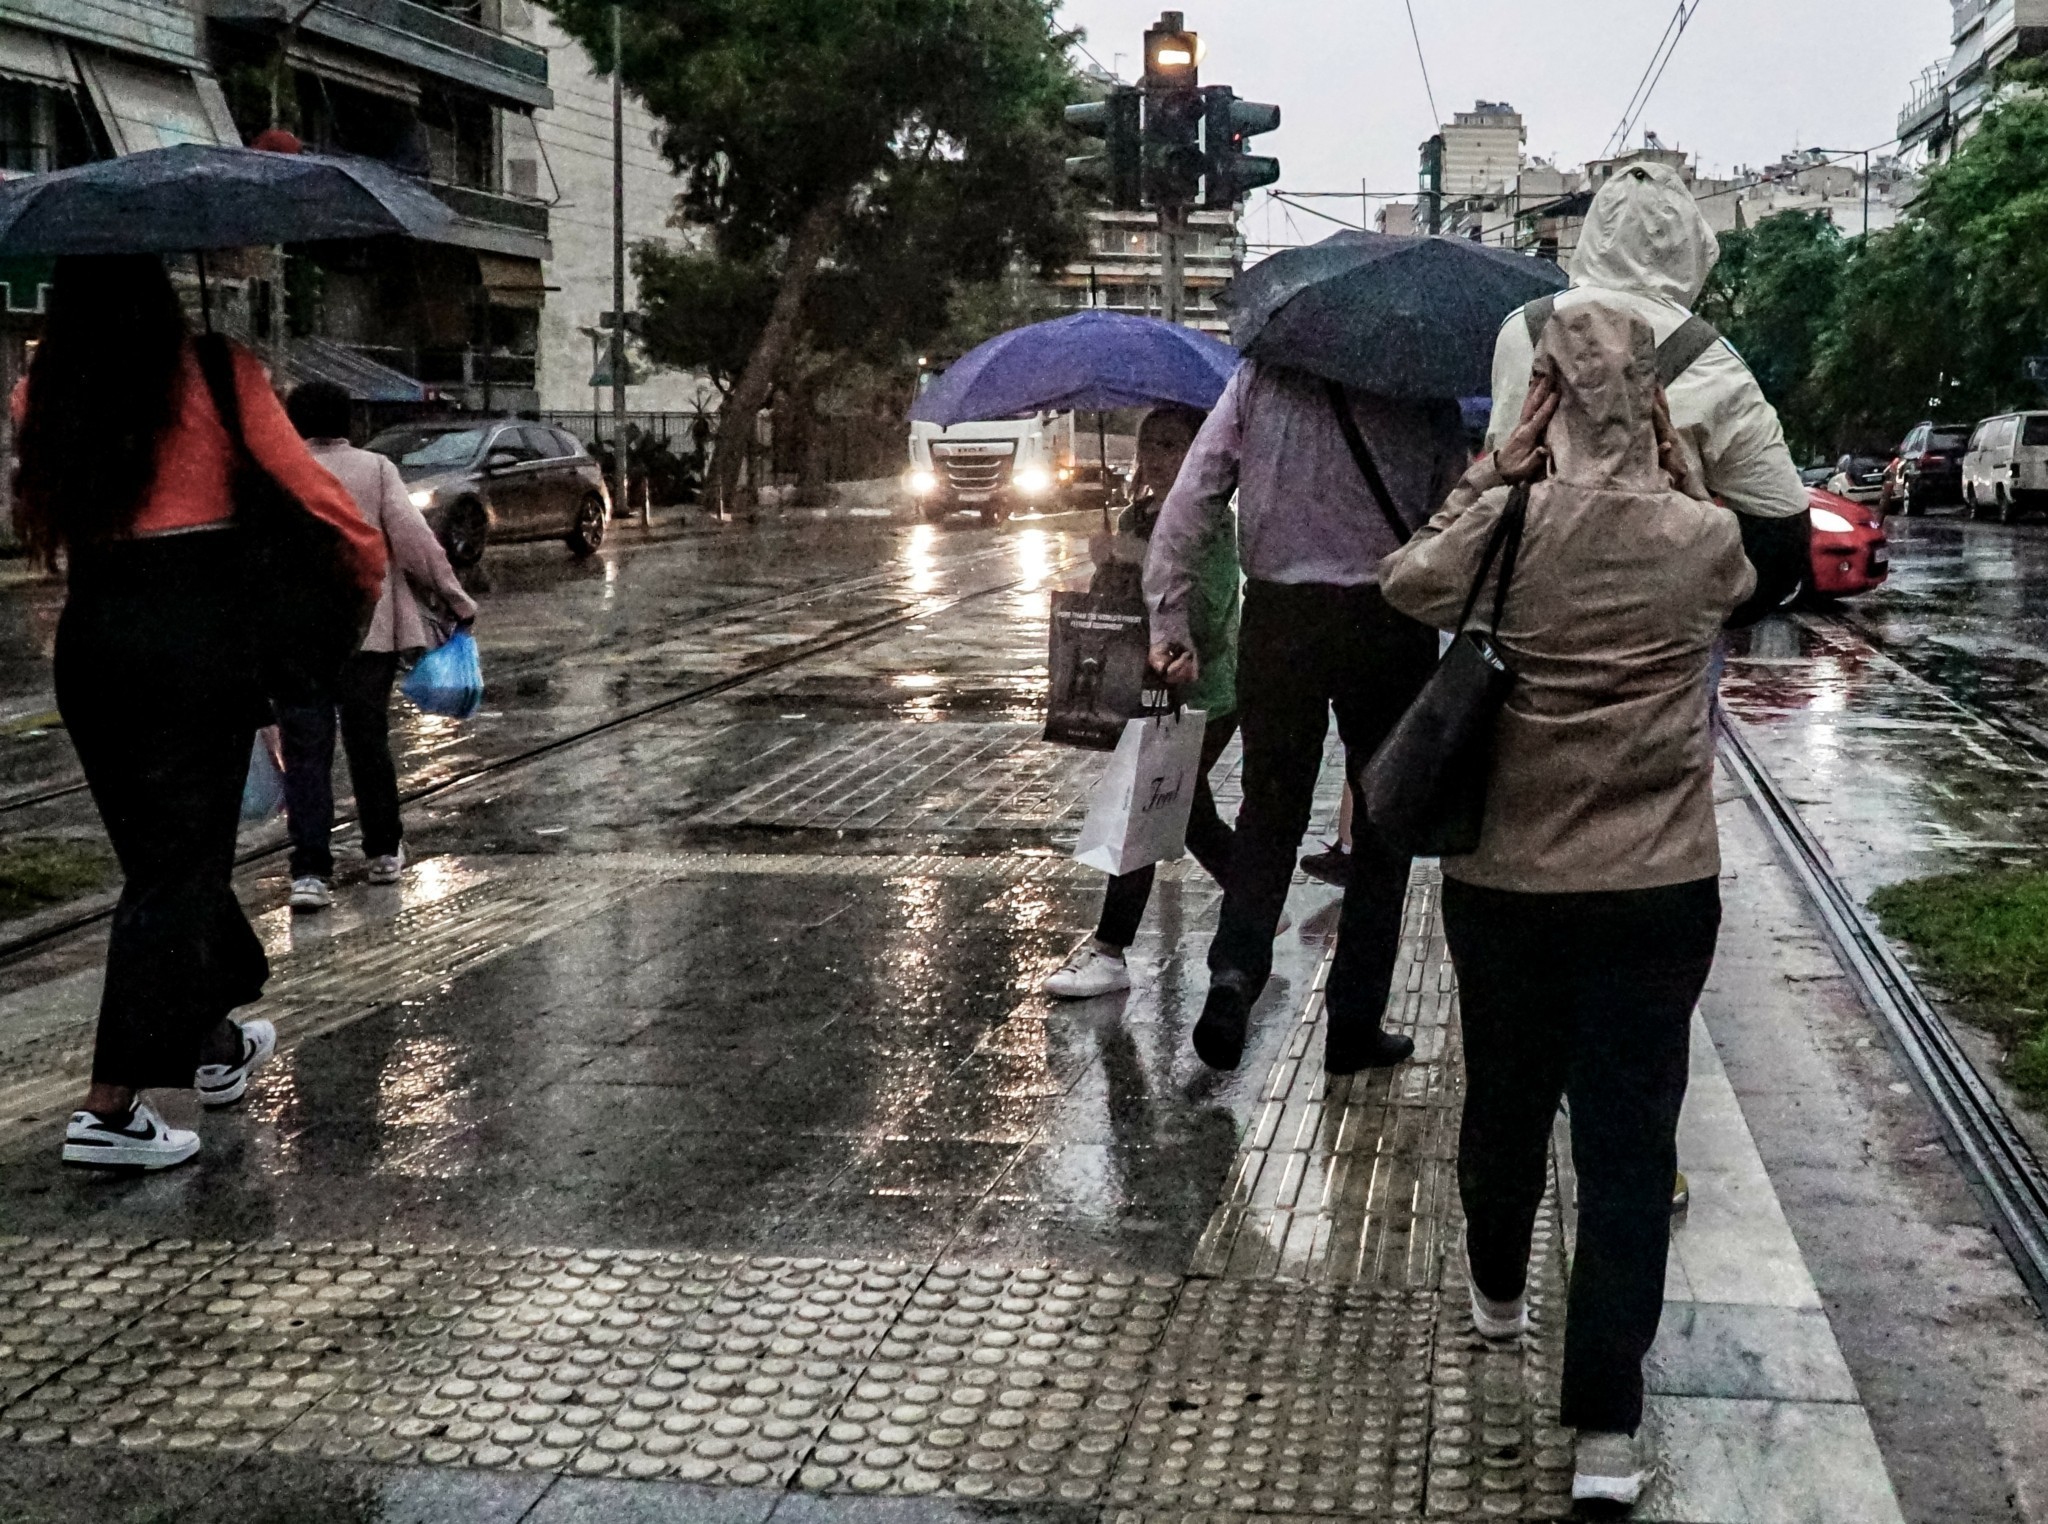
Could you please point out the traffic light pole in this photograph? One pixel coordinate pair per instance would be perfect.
(1173, 264)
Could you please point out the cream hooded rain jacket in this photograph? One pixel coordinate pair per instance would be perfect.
(1646, 248)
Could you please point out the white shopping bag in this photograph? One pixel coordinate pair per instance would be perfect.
(1138, 813)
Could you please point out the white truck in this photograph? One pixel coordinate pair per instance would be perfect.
(994, 468)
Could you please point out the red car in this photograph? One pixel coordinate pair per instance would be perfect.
(1850, 554)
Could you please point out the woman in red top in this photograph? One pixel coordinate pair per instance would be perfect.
(125, 471)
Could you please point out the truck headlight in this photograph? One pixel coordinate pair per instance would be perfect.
(923, 483)
(1032, 481)
(424, 498)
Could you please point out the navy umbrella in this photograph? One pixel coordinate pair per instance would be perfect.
(1091, 361)
(1402, 317)
(197, 196)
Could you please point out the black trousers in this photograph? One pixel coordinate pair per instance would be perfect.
(362, 698)
(1586, 997)
(1302, 651)
(1123, 903)
(158, 694)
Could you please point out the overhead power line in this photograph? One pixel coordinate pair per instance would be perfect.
(1436, 117)
(1653, 72)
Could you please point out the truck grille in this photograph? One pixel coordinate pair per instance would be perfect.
(974, 468)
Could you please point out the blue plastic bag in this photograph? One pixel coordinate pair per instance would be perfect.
(448, 680)
(263, 790)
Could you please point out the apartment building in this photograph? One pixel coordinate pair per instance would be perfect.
(1123, 270)
(1951, 92)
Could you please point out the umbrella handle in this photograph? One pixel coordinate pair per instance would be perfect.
(205, 294)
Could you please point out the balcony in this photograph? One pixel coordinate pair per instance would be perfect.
(495, 223)
(507, 69)
(1927, 105)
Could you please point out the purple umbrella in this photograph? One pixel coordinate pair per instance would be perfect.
(1092, 361)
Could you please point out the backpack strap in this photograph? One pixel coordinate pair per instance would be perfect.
(1340, 404)
(1695, 336)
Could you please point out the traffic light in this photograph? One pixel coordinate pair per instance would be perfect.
(1173, 147)
(1173, 54)
(1229, 173)
(1118, 171)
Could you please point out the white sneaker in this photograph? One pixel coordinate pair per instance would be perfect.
(1496, 1320)
(1090, 972)
(311, 894)
(225, 1084)
(386, 870)
(144, 1141)
(1611, 1468)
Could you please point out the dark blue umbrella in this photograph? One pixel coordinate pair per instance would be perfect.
(1091, 361)
(197, 196)
(1403, 317)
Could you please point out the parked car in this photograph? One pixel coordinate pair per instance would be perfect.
(1849, 553)
(2006, 470)
(502, 480)
(1816, 476)
(1929, 470)
(1859, 478)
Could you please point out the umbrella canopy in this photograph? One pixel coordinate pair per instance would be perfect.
(1092, 360)
(1403, 317)
(197, 196)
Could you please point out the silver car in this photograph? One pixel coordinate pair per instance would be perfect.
(500, 480)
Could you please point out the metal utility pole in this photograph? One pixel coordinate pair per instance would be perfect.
(1173, 263)
(619, 473)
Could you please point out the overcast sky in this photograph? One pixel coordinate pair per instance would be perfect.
(1751, 79)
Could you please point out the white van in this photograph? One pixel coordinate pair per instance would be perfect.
(2006, 471)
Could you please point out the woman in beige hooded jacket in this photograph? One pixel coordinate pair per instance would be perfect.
(1584, 925)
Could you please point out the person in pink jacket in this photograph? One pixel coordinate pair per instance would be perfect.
(417, 566)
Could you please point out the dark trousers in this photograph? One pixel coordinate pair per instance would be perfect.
(1586, 997)
(1123, 903)
(362, 698)
(1302, 651)
(158, 694)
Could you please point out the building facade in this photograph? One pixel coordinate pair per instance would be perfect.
(571, 144)
(1123, 270)
(1951, 93)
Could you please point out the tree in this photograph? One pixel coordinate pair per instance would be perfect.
(1773, 294)
(824, 135)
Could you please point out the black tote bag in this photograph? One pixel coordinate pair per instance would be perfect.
(307, 615)
(1424, 790)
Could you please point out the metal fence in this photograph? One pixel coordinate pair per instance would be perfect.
(846, 449)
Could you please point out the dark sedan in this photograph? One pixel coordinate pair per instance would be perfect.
(1929, 472)
(500, 480)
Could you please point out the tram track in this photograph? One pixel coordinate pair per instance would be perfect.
(1996, 1156)
(21, 946)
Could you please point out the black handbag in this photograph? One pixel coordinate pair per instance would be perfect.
(1424, 791)
(307, 615)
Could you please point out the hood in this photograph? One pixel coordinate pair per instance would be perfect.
(1605, 362)
(1644, 233)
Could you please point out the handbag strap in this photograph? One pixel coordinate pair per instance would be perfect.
(1505, 543)
(217, 365)
(1340, 404)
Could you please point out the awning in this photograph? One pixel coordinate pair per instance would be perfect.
(511, 282)
(36, 58)
(144, 107)
(355, 70)
(364, 379)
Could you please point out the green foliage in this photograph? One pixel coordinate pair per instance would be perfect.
(932, 127)
(1772, 294)
(38, 872)
(1985, 936)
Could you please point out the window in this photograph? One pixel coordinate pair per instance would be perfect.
(542, 442)
(426, 449)
(1915, 442)
(570, 444)
(511, 442)
(40, 128)
(1946, 439)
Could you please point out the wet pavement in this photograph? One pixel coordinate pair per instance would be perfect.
(685, 1138)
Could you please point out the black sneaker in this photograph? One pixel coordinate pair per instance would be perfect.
(1219, 1035)
(1349, 1052)
(1330, 866)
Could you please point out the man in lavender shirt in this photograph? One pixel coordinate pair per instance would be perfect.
(1316, 635)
